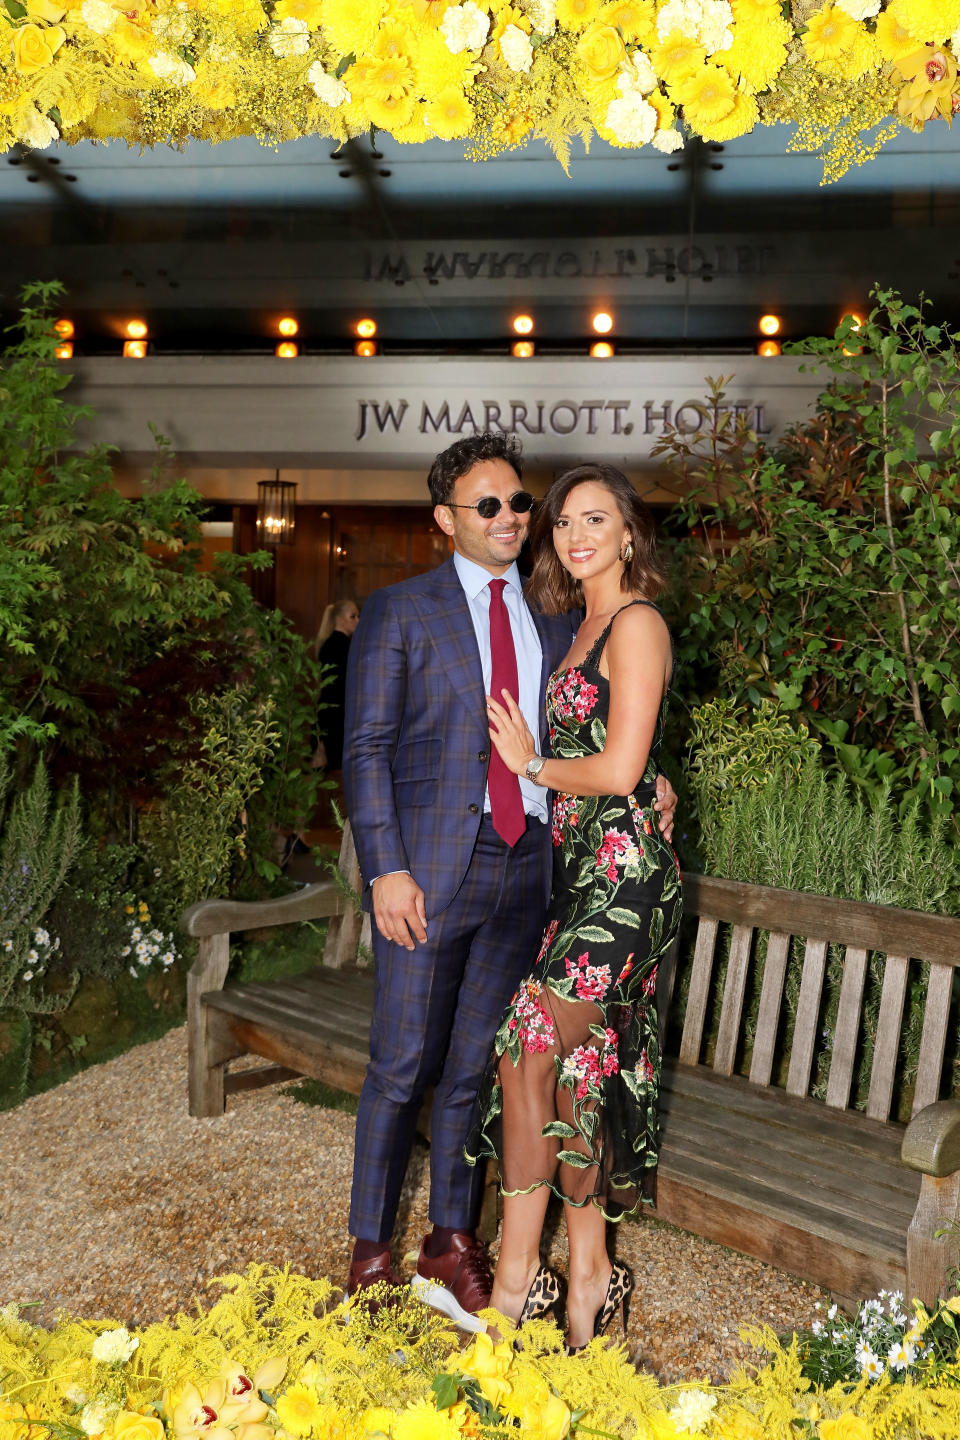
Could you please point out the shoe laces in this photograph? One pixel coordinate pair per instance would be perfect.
(475, 1265)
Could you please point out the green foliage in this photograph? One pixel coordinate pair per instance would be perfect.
(825, 574)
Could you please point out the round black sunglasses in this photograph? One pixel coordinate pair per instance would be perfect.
(490, 506)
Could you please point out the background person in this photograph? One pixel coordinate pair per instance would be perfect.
(331, 648)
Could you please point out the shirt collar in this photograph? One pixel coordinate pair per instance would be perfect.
(474, 578)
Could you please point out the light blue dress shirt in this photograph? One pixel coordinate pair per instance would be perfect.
(476, 586)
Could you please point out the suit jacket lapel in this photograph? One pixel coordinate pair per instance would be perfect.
(454, 638)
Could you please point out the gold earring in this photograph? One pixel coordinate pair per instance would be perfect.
(627, 555)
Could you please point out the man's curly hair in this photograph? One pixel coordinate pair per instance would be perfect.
(462, 455)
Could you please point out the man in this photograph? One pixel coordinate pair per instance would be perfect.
(455, 850)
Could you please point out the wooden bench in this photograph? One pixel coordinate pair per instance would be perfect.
(849, 1200)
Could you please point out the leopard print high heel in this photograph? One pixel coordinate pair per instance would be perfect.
(545, 1295)
(619, 1290)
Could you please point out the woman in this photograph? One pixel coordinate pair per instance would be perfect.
(569, 1100)
(331, 648)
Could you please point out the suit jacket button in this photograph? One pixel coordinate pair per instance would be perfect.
(483, 755)
(474, 809)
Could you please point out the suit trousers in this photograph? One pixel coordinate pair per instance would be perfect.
(435, 1014)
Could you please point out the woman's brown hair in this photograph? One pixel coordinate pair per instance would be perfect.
(552, 590)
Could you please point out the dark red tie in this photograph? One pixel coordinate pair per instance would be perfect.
(506, 802)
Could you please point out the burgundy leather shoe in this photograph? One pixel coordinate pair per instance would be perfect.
(464, 1269)
(366, 1273)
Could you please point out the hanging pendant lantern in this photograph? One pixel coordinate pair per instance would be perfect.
(276, 511)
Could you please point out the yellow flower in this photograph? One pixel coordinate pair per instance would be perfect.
(677, 57)
(635, 19)
(932, 74)
(423, 1421)
(449, 115)
(377, 1420)
(576, 15)
(394, 41)
(386, 79)
(602, 51)
(299, 1409)
(666, 110)
(928, 19)
(34, 48)
(846, 1427)
(134, 44)
(488, 1364)
(428, 12)
(351, 25)
(130, 1426)
(45, 10)
(517, 124)
(738, 1425)
(214, 86)
(759, 49)
(510, 15)
(740, 120)
(829, 33)
(661, 1426)
(707, 95)
(309, 10)
(391, 112)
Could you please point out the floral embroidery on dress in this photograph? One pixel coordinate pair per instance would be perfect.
(530, 1019)
(572, 696)
(565, 812)
(618, 851)
(590, 982)
(584, 1067)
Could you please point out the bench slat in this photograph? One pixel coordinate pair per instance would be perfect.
(698, 995)
(936, 1014)
(266, 1009)
(847, 1031)
(808, 1017)
(886, 1049)
(731, 1011)
(768, 1015)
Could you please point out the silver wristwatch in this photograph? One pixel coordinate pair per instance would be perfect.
(534, 765)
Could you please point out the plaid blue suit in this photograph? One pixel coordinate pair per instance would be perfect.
(415, 771)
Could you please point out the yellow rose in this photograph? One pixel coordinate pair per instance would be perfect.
(846, 1427)
(34, 48)
(738, 1425)
(130, 1426)
(602, 51)
(45, 10)
(488, 1365)
(541, 1413)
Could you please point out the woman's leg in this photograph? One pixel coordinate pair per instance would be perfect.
(590, 1269)
(519, 1258)
(528, 1157)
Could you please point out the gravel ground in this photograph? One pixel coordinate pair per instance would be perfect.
(116, 1204)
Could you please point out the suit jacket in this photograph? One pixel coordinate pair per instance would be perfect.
(417, 743)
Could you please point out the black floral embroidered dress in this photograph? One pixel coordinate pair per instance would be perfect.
(569, 1098)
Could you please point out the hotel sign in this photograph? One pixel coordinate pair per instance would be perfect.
(396, 413)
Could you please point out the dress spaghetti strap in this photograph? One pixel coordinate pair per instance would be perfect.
(596, 650)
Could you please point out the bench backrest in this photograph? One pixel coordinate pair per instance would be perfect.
(902, 937)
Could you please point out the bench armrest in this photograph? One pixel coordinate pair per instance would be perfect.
(932, 1142)
(216, 917)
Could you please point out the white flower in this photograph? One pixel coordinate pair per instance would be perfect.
(114, 1347)
(223, 56)
(32, 956)
(172, 68)
(326, 87)
(900, 1355)
(125, 950)
(8, 945)
(516, 49)
(682, 15)
(693, 1411)
(41, 937)
(715, 33)
(174, 28)
(631, 119)
(136, 933)
(95, 1417)
(36, 131)
(28, 974)
(817, 1327)
(832, 1313)
(543, 13)
(869, 1364)
(637, 74)
(98, 15)
(859, 9)
(75, 1395)
(464, 27)
(133, 971)
(291, 37)
(666, 141)
(872, 1307)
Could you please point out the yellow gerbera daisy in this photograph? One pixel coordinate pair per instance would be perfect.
(393, 39)
(707, 95)
(389, 112)
(510, 15)
(390, 78)
(864, 54)
(677, 57)
(309, 10)
(893, 37)
(426, 12)
(576, 15)
(829, 33)
(299, 1409)
(449, 115)
(928, 19)
(740, 120)
(635, 19)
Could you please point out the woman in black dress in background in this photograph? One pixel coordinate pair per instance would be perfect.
(331, 648)
(569, 1100)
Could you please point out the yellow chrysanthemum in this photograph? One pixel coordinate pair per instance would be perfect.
(299, 1409)
(707, 95)
(829, 32)
(351, 25)
(449, 115)
(423, 1421)
(740, 121)
(928, 19)
(131, 43)
(758, 52)
(635, 19)
(677, 58)
(576, 15)
(309, 10)
(437, 68)
(893, 37)
(390, 112)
